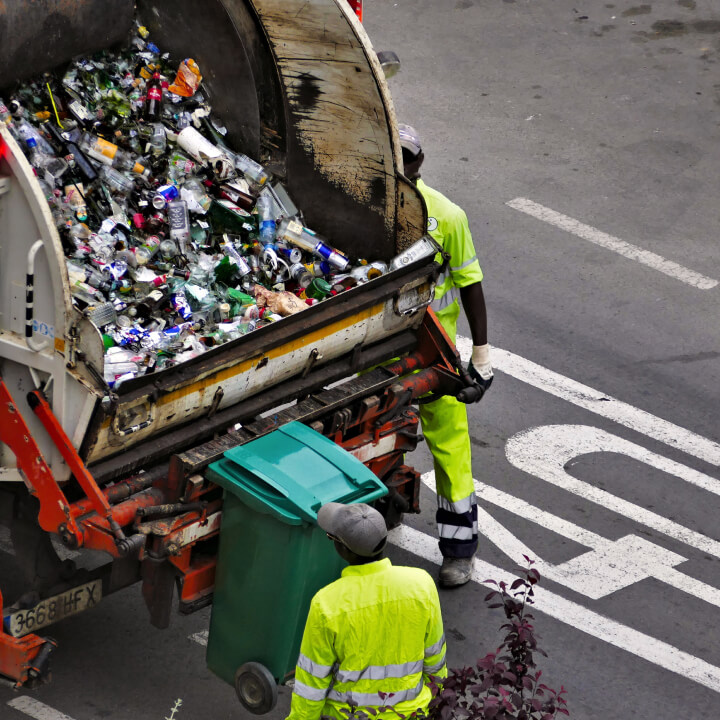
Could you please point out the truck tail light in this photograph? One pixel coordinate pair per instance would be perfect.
(356, 5)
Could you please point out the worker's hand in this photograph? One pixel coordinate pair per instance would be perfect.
(480, 368)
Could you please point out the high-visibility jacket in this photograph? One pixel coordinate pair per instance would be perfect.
(448, 225)
(376, 630)
(444, 422)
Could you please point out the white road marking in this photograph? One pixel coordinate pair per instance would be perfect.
(35, 709)
(515, 549)
(545, 451)
(598, 403)
(609, 242)
(201, 638)
(610, 631)
(607, 568)
(573, 614)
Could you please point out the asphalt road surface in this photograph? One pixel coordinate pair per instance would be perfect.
(582, 141)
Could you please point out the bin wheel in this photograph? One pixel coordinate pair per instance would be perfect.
(256, 688)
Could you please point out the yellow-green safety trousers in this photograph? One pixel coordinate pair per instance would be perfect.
(445, 427)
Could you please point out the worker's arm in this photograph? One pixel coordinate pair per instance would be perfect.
(467, 276)
(473, 302)
(435, 648)
(313, 673)
(479, 367)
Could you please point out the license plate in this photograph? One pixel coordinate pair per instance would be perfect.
(54, 608)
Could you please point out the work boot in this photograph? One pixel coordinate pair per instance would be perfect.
(455, 571)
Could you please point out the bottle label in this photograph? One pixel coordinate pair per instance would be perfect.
(80, 111)
(154, 93)
(103, 149)
(294, 227)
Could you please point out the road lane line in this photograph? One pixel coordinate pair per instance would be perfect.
(609, 242)
(35, 709)
(201, 638)
(598, 403)
(580, 618)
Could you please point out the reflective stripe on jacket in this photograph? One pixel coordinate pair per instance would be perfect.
(372, 639)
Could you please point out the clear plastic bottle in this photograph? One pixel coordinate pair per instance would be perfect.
(231, 251)
(168, 249)
(193, 193)
(158, 139)
(180, 165)
(252, 170)
(116, 180)
(147, 251)
(39, 159)
(266, 220)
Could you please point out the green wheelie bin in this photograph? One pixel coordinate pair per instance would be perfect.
(273, 557)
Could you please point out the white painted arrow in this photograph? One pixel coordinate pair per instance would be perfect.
(608, 567)
(544, 452)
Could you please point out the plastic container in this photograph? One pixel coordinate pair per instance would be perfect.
(273, 557)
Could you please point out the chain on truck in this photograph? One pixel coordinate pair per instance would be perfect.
(123, 470)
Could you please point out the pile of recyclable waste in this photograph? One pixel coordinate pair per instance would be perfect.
(174, 242)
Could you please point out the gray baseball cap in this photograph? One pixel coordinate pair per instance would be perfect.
(358, 527)
(409, 138)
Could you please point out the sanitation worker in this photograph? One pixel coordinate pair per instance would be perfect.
(444, 422)
(373, 637)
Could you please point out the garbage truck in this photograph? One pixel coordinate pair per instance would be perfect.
(124, 470)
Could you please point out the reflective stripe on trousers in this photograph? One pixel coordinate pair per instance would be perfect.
(457, 526)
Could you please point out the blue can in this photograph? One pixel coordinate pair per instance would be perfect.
(163, 195)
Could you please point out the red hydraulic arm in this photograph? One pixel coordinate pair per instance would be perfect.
(54, 508)
(98, 501)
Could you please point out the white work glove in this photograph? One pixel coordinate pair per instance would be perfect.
(479, 367)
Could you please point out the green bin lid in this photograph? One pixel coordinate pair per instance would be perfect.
(293, 471)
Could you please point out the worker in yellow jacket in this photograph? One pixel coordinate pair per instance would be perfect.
(444, 422)
(373, 637)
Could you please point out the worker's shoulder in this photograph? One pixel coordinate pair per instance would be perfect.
(439, 206)
(413, 577)
(401, 578)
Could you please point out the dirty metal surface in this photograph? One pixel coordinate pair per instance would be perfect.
(39, 35)
(340, 152)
